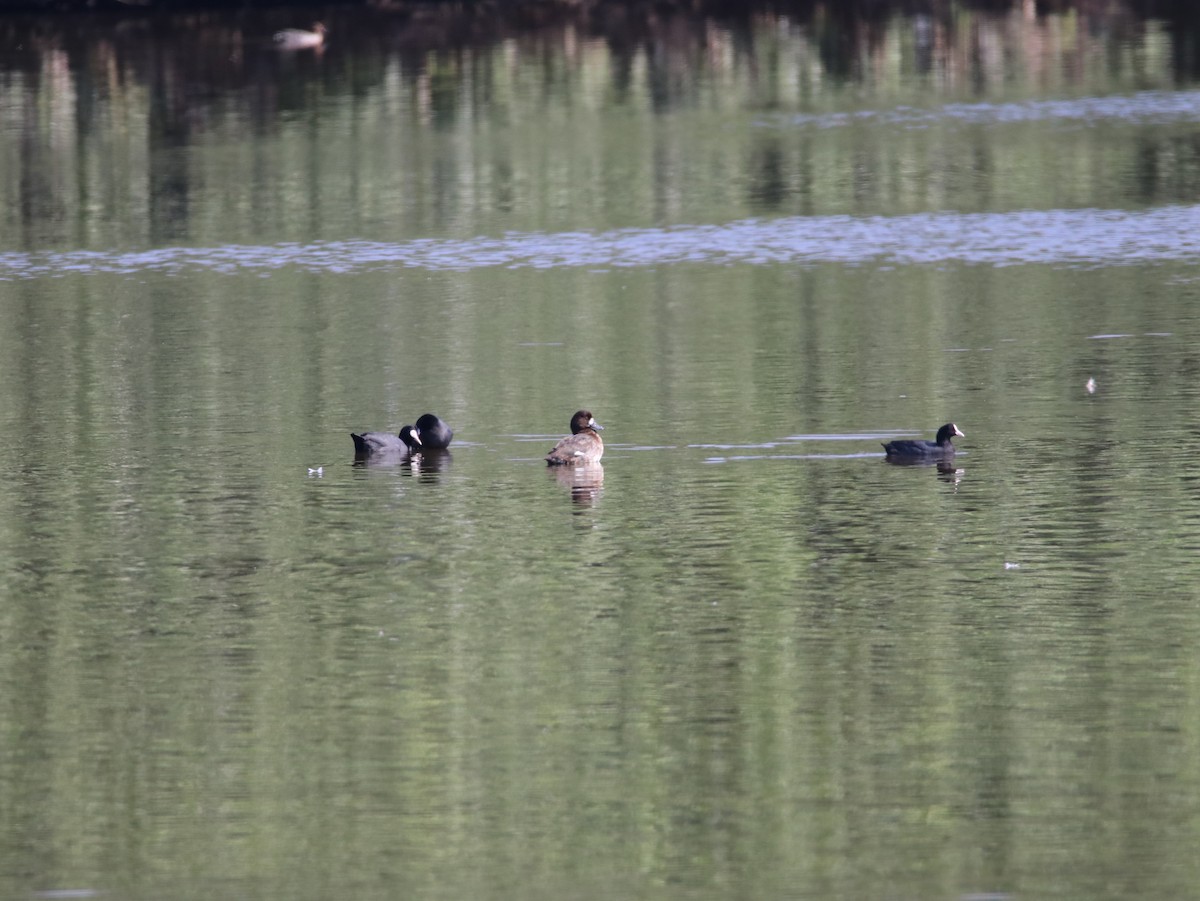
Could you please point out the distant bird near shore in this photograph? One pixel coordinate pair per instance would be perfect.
(299, 39)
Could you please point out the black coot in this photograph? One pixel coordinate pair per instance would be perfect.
(368, 443)
(430, 433)
(941, 446)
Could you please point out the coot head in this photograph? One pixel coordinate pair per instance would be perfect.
(432, 433)
(946, 432)
(410, 437)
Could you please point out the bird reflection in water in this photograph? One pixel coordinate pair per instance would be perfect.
(945, 468)
(585, 481)
(948, 472)
(426, 464)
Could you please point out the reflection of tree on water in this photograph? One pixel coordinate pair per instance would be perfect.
(584, 482)
(176, 77)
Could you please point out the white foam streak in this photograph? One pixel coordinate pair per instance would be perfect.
(1067, 238)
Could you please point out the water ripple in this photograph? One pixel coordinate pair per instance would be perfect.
(1144, 107)
(1086, 237)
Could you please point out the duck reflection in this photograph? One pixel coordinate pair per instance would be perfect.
(585, 481)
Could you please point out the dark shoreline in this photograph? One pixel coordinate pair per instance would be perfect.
(541, 10)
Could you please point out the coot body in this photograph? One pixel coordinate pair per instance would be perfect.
(368, 443)
(941, 446)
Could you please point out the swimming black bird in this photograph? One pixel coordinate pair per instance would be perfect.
(941, 446)
(368, 443)
(430, 433)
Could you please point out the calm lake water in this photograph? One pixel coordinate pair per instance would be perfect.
(746, 658)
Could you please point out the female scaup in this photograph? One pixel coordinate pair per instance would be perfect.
(583, 446)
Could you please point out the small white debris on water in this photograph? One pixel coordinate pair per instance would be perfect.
(318, 471)
(1091, 386)
(1008, 565)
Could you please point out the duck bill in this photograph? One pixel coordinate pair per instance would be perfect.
(959, 433)
(592, 424)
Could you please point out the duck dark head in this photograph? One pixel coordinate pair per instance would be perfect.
(583, 419)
